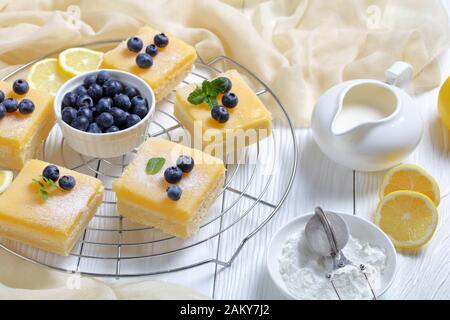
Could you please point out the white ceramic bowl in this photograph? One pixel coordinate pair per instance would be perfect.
(359, 228)
(106, 145)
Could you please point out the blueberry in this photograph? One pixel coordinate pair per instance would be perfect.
(229, 100)
(70, 100)
(94, 128)
(86, 112)
(152, 50)
(112, 129)
(220, 114)
(95, 91)
(144, 60)
(80, 90)
(51, 172)
(90, 80)
(120, 116)
(10, 104)
(122, 101)
(67, 182)
(140, 110)
(2, 96)
(20, 86)
(2, 111)
(173, 174)
(68, 114)
(174, 192)
(135, 44)
(85, 101)
(132, 119)
(161, 40)
(102, 77)
(80, 123)
(138, 101)
(185, 163)
(105, 120)
(104, 105)
(131, 92)
(227, 86)
(112, 87)
(26, 106)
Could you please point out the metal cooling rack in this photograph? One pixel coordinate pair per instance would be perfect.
(112, 246)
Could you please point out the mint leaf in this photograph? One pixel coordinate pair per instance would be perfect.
(39, 183)
(220, 84)
(197, 96)
(154, 165)
(44, 194)
(211, 101)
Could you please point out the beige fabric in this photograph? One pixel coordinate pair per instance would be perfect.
(299, 47)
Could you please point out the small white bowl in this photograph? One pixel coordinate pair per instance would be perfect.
(359, 228)
(106, 145)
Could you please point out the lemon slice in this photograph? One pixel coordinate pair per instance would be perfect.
(46, 76)
(413, 178)
(6, 178)
(409, 218)
(74, 61)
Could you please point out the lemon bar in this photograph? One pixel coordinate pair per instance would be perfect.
(22, 135)
(54, 224)
(170, 66)
(249, 121)
(142, 197)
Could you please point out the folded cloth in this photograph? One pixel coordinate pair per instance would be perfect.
(299, 47)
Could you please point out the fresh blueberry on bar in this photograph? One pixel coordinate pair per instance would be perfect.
(112, 87)
(174, 192)
(122, 101)
(105, 120)
(104, 105)
(220, 114)
(84, 101)
(120, 116)
(26, 106)
(144, 60)
(131, 92)
(227, 86)
(173, 174)
(90, 80)
(229, 100)
(70, 100)
(51, 172)
(185, 163)
(152, 50)
(2, 111)
(132, 119)
(102, 77)
(95, 91)
(20, 86)
(68, 114)
(161, 40)
(2, 96)
(11, 105)
(94, 128)
(135, 44)
(67, 182)
(80, 123)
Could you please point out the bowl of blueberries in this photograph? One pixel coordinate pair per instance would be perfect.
(104, 113)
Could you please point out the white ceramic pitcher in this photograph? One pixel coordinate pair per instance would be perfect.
(368, 125)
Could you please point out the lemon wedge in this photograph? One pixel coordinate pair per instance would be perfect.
(6, 178)
(46, 76)
(409, 218)
(413, 178)
(74, 61)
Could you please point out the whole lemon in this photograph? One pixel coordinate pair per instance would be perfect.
(444, 103)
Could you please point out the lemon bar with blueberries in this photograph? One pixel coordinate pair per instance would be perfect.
(161, 60)
(169, 186)
(49, 207)
(26, 118)
(222, 115)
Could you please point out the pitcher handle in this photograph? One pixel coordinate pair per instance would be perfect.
(399, 74)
